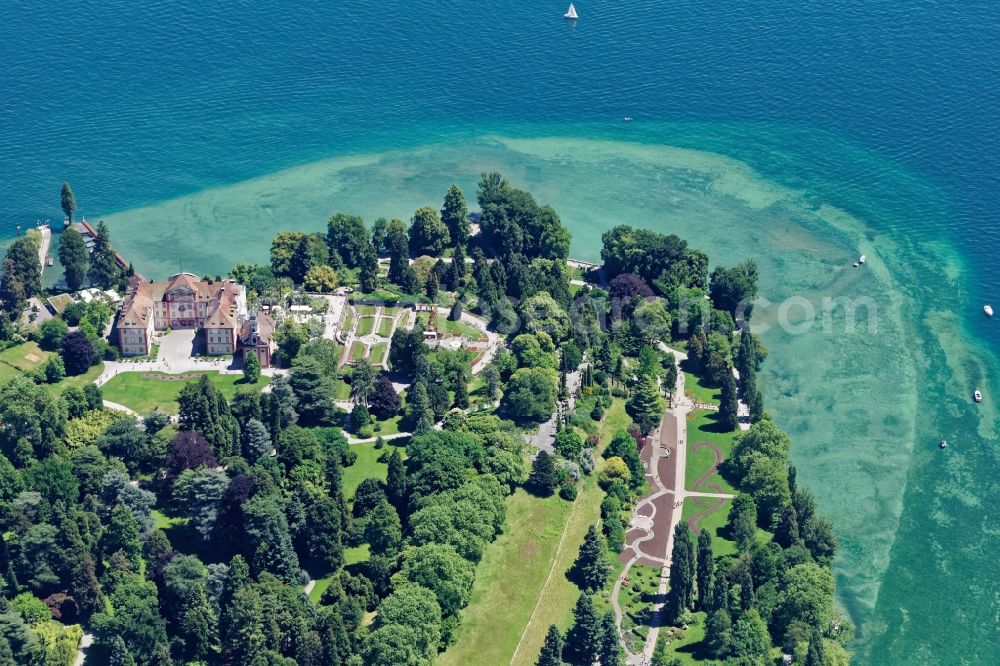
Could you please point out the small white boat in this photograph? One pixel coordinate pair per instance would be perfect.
(977, 396)
(855, 264)
(861, 259)
(571, 14)
(988, 310)
(627, 119)
(943, 444)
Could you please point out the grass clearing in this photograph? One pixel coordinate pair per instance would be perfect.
(512, 571)
(25, 356)
(696, 387)
(365, 326)
(8, 373)
(144, 391)
(366, 466)
(341, 389)
(78, 381)
(366, 310)
(357, 351)
(687, 644)
(702, 427)
(447, 327)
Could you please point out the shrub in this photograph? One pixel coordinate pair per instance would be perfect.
(568, 491)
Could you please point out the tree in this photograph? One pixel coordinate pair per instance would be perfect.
(742, 523)
(123, 535)
(431, 287)
(321, 279)
(705, 569)
(543, 479)
(611, 653)
(22, 276)
(202, 407)
(530, 394)
(359, 418)
(368, 270)
(67, 200)
(440, 568)
(749, 642)
(384, 402)
(592, 566)
(347, 240)
(104, 269)
(728, 406)
(383, 530)
(268, 538)
(416, 607)
(814, 653)
(733, 289)
(200, 492)
(428, 235)
(717, 633)
(552, 649)
(491, 381)
(682, 569)
(787, 533)
(583, 642)
(397, 247)
(51, 333)
(313, 391)
(119, 655)
(251, 367)
(256, 440)
(283, 249)
(455, 216)
(362, 381)
(395, 482)
(645, 405)
(125, 440)
(807, 595)
(77, 353)
(74, 257)
(541, 312)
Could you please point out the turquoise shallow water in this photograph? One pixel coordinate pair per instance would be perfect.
(802, 134)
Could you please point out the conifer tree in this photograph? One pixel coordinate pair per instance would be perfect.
(119, 654)
(542, 480)
(705, 570)
(551, 654)
(74, 257)
(742, 522)
(814, 654)
(251, 367)
(256, 440)
(67, 200)
(787, 533)
(583, 642)
(611, 653)
(682, 566)
(728, 407)
(455, 215)
(755, 403)
(395, 482)
(746, 355)
(645, 406)
(104, 269)
(592, 566)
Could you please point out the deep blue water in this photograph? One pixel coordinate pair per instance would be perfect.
(135, 102)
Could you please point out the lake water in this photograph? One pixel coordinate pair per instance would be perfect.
(799, 133)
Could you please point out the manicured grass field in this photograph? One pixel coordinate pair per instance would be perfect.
(8, 373)
(366, 466)
(366, 310)
(356, 554)
(686, 645)
(713, 522)
(143, 391)
(357, 351)
(385, 326)
(446, 326)
(25, 356)
(695, 386)
(365, 326)
(378, 352)
(341, 389)
(521, 586)
(702, 427)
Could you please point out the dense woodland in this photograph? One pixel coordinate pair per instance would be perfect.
(191, 542)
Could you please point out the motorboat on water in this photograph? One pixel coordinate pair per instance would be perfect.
(988, 310)
(571, 14)
(977, 396)
(862, 259)
(943, 444)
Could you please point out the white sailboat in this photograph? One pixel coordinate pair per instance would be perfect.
(988, 310)
(571, 14)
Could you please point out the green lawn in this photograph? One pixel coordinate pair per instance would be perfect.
(378, 352)
(686, 644)
(556, 599)
(365, 310)
(357, 351)
(143, 391)
(695, 386)
(385, 326)
(365, 326)
(8, 373)
(702, 427)
(356, 554)
(446, 326)
(508, 580)
(79, 381)
(319, 588)
(341, 389)
(25, 356)
(366, 466)
(714, 522)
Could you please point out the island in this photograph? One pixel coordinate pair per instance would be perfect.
(441, 441)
